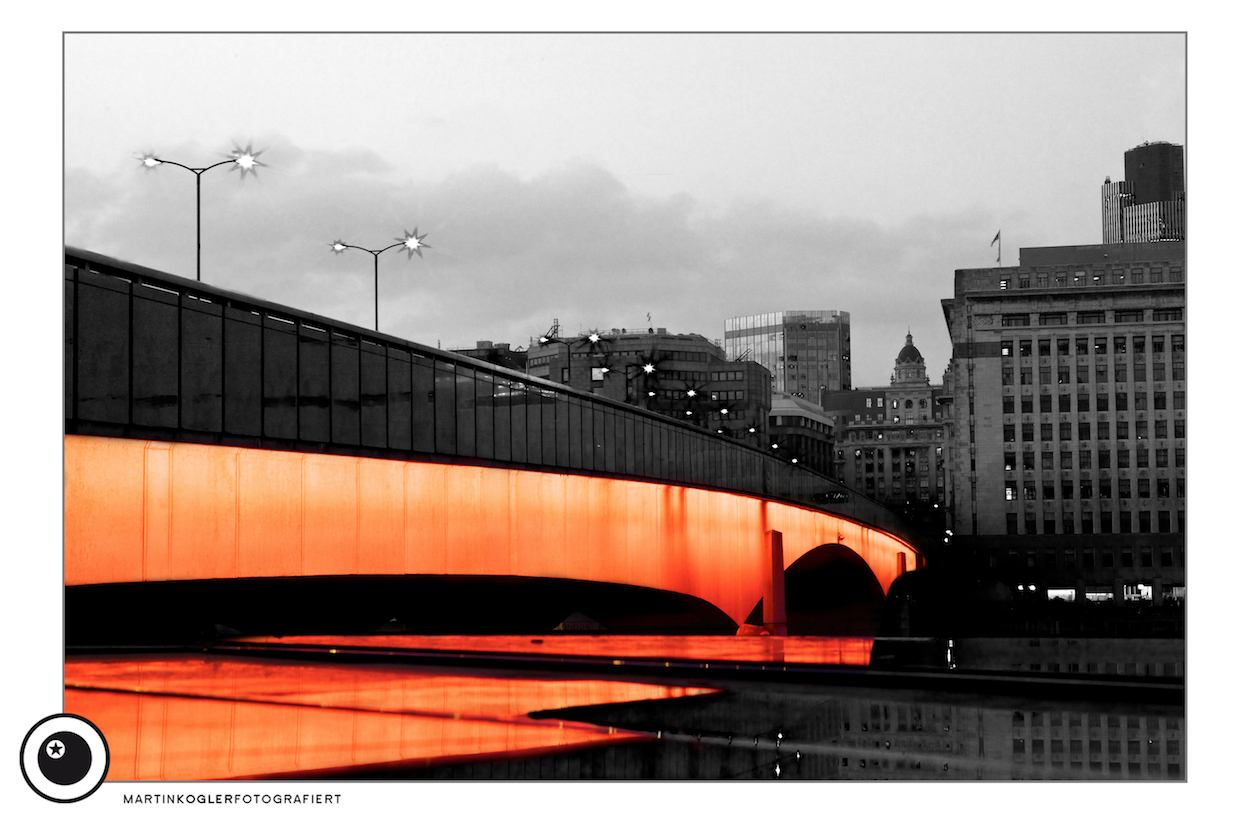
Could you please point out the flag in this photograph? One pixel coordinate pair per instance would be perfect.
(996, 237)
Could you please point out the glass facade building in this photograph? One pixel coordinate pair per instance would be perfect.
(806, 352)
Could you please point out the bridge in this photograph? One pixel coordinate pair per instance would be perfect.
(224, 449)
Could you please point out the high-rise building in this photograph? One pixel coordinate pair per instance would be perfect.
(806, 352)
(1066, 458)
(685, 376)
(1149, 204)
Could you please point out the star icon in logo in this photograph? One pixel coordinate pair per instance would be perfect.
(56, 749)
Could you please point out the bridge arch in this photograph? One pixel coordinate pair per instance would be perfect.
(140, 511)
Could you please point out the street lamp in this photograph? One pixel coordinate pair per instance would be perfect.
(244, 160)
(411, 241)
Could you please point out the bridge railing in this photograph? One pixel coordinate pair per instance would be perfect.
(153, 355)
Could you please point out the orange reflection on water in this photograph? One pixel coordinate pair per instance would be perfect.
(849, 651)
(209, 717)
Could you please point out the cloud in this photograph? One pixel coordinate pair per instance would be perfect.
(511, 253)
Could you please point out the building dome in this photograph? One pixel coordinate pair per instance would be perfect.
(909, 354)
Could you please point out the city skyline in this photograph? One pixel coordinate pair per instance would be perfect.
(719, 175)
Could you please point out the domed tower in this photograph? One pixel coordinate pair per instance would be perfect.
(909, 366)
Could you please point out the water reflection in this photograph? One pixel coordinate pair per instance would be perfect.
(309, 714)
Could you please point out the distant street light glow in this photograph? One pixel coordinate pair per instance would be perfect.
(411, 241)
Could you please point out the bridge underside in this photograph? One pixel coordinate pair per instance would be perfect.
(149, 511)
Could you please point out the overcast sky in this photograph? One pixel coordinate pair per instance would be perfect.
(599, 178)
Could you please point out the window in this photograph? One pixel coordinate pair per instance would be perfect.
(1136, 276)
(1147, 557)
(1121, 344)
(1028, 462)
(1009, 376)
(1087, 527)
(1178, 399)
(1122, 460)
(1026, 347)
(1090, 317)
(1048, 517)
(1165, 553)
(1167, 315)
(1161, 458)
(1009, 461)
(1178, 370)
(1126, 527)
(1117, 277)
(1163, 487)
(1156, 275)
(1026, 404)
(1130, 316)
(1104, 460)
(1178, 343)
(1048, 491)
(1165, 522)
(1026, 375)
(1087, 491)
(1011, 492)
(1065, 460)
(1007, 348)
(1048, 432)
(1065, 403)
(1161, 427)
(1063, 375)
(1066, 490)
(1082, 346)
(1009, 432)
(1030, 490)
(1121, 372)
(1104, 431)
(1125, 490)
(1100, 374)
(1069, 523)
(1143, 522)
(1121, 401)
(1065, 431)
(1045, 406)
(1156, 344)
(1085, 458)
(1061, 346)
(1012, 527)
(1009, 404)
(1140, 429)
(1078, 278)
(1178, 428)
(1004, 283)
(1024, 281)
(1180, 456)
(1052, 319)
(1043, 347)
(1126, 561)
(1139, 370)
(1082, 374)
(1143, 487)
(1026, 431)
(1180, 487)
(1121, 430)
(1048, 461)
(1139, 344)
(1082, 431)
(1017, 320)
(1100, 345)
(1104, 491)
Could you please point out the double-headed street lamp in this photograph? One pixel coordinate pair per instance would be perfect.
(411, 241)
(244, 160)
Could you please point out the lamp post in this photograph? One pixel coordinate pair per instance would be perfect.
(244, 160)
(411, 241)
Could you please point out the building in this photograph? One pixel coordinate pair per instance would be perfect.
(497, 353)
(890, 440)
(1066, 457)
(804, 433)
(1149, 204)
(685, 376)
(806, 352)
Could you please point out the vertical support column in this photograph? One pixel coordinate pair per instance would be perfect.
(774, 584)
(1156, 591)
(902, 564)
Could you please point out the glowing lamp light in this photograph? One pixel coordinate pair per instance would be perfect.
(605, 370)
(150, 161)
(648, 368)
(338, 247)
(750, 429)
(689, 412)
(1019, 587)
(776, 446)
(245, 159)
(411, 241)
(794, 460)
(691, 393)
(543, 340)
(651, 393)
(724, 411)
(593, 337)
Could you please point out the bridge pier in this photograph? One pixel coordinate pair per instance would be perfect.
(774, 584)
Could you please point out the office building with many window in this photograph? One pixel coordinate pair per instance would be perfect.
(685, 376)
(1066, 459)
(890, 440)
(807, 353)
(1149, 204)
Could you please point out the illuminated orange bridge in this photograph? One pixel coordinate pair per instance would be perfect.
(218, 440)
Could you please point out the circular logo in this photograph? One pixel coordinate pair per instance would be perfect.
(64, 758)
